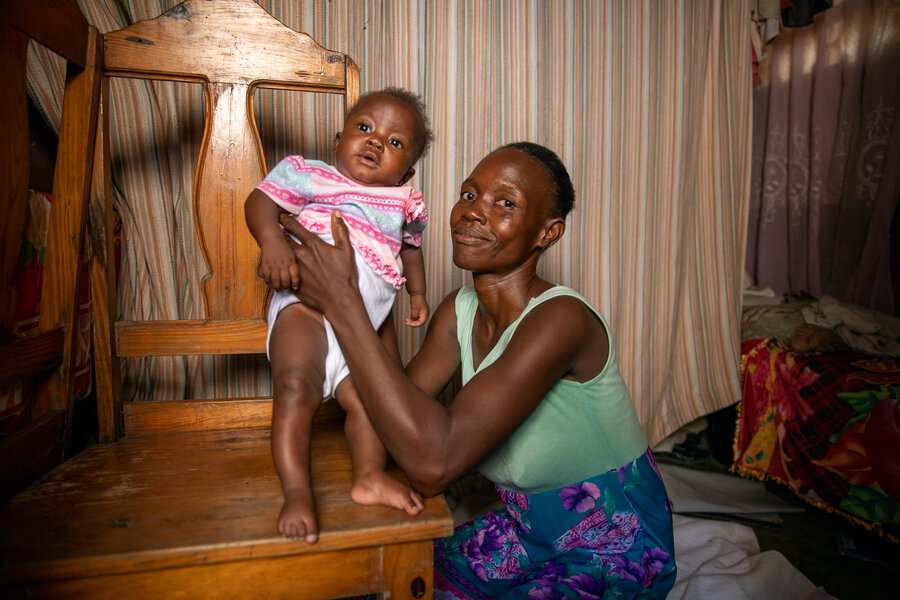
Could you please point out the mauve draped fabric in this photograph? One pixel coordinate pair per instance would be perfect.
(647, 103)
(826, 155)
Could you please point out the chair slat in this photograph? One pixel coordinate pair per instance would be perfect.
(25, 357)
(190, 337)
(231, 163)
(144, 418)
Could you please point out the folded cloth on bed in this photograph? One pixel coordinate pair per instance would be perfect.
(806, 326)
(861, 328)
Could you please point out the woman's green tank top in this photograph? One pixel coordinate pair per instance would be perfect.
(577, 431)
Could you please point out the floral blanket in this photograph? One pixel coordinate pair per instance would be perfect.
(827, 426)
(607, 537)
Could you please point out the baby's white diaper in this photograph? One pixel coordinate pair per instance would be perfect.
(378, 296)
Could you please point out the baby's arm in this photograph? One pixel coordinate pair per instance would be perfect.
(414, 271)
(278, 267)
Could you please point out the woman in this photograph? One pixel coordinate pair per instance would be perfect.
(543, 411)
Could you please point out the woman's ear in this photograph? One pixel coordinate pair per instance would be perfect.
(552, 231)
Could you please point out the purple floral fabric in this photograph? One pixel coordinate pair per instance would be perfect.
(607, 537)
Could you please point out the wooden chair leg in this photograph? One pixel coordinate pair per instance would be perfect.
(408, 571)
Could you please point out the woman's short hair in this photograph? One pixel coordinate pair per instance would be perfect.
(562, 183)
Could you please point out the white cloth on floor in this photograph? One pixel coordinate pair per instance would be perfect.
(693, 491)
(721, 559)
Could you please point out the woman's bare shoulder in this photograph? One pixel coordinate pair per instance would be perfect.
(569, 334)
(564, 310)
(447, 307)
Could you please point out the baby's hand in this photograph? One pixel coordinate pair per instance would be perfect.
(278, 266)
(418, 310)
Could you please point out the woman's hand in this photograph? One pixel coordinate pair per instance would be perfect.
(327, 273)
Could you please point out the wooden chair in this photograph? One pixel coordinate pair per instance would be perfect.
(44, 360)
(182, 497)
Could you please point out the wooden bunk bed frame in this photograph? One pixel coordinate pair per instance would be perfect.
(181, 497)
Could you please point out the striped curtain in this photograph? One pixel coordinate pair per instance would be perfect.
(647, 103)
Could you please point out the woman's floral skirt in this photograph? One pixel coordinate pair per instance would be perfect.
(607, 537)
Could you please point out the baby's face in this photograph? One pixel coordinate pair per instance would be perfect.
(380, 142)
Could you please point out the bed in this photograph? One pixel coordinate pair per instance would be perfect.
(819, 412)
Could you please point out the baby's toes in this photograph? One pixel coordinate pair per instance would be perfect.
(414, 504)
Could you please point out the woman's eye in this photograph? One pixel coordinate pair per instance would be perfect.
(506, 203)
(466, 196)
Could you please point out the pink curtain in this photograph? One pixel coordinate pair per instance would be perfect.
(826, 154)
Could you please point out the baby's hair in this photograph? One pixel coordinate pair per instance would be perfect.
(562, 183)
(415, 103)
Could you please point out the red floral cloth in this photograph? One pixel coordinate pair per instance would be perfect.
(827, 427)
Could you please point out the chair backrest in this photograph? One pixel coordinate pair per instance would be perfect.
(231, 47)
(43, 360)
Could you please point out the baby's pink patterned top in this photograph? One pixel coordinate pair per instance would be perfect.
(380, 219)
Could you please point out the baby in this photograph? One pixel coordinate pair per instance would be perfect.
(384, 135)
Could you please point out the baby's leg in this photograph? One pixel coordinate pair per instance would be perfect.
(371, 484)
(297, 350)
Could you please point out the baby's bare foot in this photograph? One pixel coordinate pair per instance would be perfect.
(297, 520)
(377, 487)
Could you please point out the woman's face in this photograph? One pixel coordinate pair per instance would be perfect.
(502, 213)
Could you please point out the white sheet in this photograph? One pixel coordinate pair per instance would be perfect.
(721, 560)
(692, 491)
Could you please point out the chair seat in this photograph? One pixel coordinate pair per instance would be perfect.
(179, 509)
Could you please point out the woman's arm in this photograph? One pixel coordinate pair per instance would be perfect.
(432, 443)
(437, 361)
